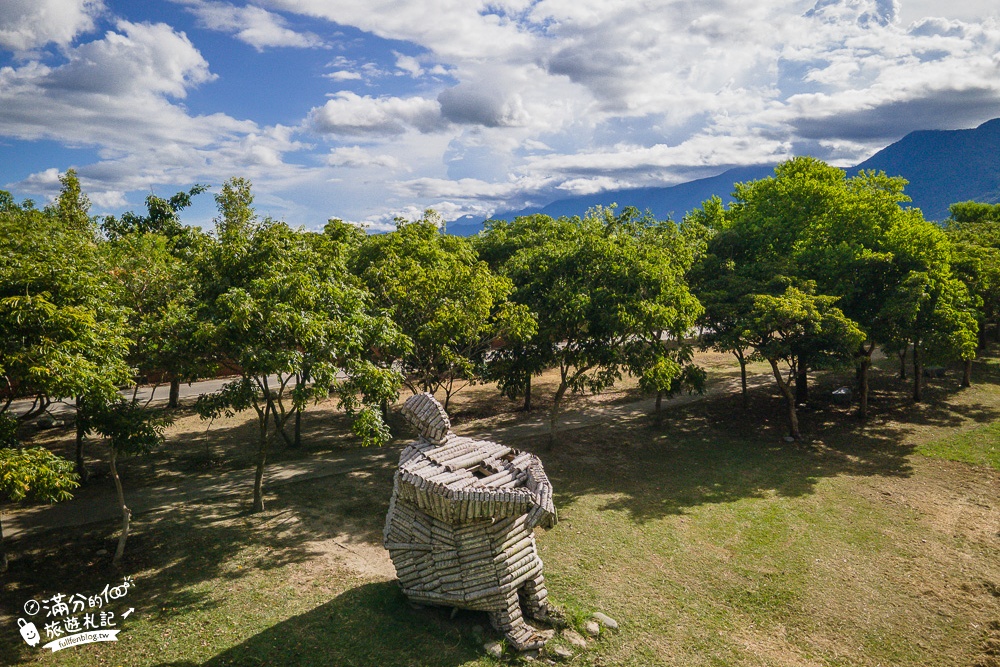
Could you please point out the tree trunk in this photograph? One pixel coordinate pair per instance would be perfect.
(786, 391)
(527, 395)
(864, 366)
(967, 374)
(918, 375)
(174, 399)
(866, 363)
(279, 427)
(258, 480)
(300, 383)
(802, 384)
(659, 400)
(902, 364)
(554, 413)
(126, 512)
(743, 379)
(81, 467)
(3, 548)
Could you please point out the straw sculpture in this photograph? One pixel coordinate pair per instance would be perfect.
(459, 528)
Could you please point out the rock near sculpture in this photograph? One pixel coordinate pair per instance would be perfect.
(460, 525)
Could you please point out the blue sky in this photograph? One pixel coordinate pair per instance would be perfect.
(370, 109)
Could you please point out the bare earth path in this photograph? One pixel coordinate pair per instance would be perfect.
(97, 503)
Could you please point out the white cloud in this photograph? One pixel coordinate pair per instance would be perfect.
(356, 157)
(482, 104)
(409, 65)
(112, 92)
(43, 182)
(344, 75)
(594, 94)
(970, 11)
(30, 24)
(346, 69)
(117, 94)
(452, 29)
(590, 186)
(516, 101)
(108, 199)
(352, 114)
(257, 27)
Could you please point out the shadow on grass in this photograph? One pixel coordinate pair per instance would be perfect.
(179, 556)
(367, 625)
(714, 452)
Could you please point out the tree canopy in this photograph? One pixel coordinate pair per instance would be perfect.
(605, 289)
(275, 306)
(447, 301)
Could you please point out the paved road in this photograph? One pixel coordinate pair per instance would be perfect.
(96, 503)
(154, 394)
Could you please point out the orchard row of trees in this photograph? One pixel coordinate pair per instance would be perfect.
(806, 270)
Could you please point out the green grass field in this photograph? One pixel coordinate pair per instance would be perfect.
(710, 539)
(979, 446)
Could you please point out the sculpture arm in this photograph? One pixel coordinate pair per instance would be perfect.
(544, 511)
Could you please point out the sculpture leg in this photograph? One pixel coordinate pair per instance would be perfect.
(536, 598)
(508, 620)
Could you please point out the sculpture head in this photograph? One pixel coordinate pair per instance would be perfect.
(426, 415)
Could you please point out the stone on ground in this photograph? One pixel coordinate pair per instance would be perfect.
(562, 652)
(605, 620)
(574, 638)
(495, 649)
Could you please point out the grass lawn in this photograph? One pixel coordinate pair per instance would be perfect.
(978, 446)
(710, 539)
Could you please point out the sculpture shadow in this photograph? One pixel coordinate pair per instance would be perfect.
(371, 625)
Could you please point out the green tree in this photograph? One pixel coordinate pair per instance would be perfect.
(162, 217)
(862, 251)
(61, 333)
(973, 211)
(32, 474)
(809, 224)
(725, 295)
(157, 292)
(447, 301)
(934, 313)
(793, 325)
(72, 206)
(974, 232)
(151, 257)
(275, 309)
(608, 292)
(129, 430)
(664, 310)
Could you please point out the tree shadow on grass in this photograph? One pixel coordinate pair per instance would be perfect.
(170, 554)
(178, 556)
(713, 451)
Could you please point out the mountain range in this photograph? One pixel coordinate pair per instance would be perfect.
(942, 167)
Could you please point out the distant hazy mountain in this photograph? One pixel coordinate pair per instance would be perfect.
(942, 166)
(664, 202)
